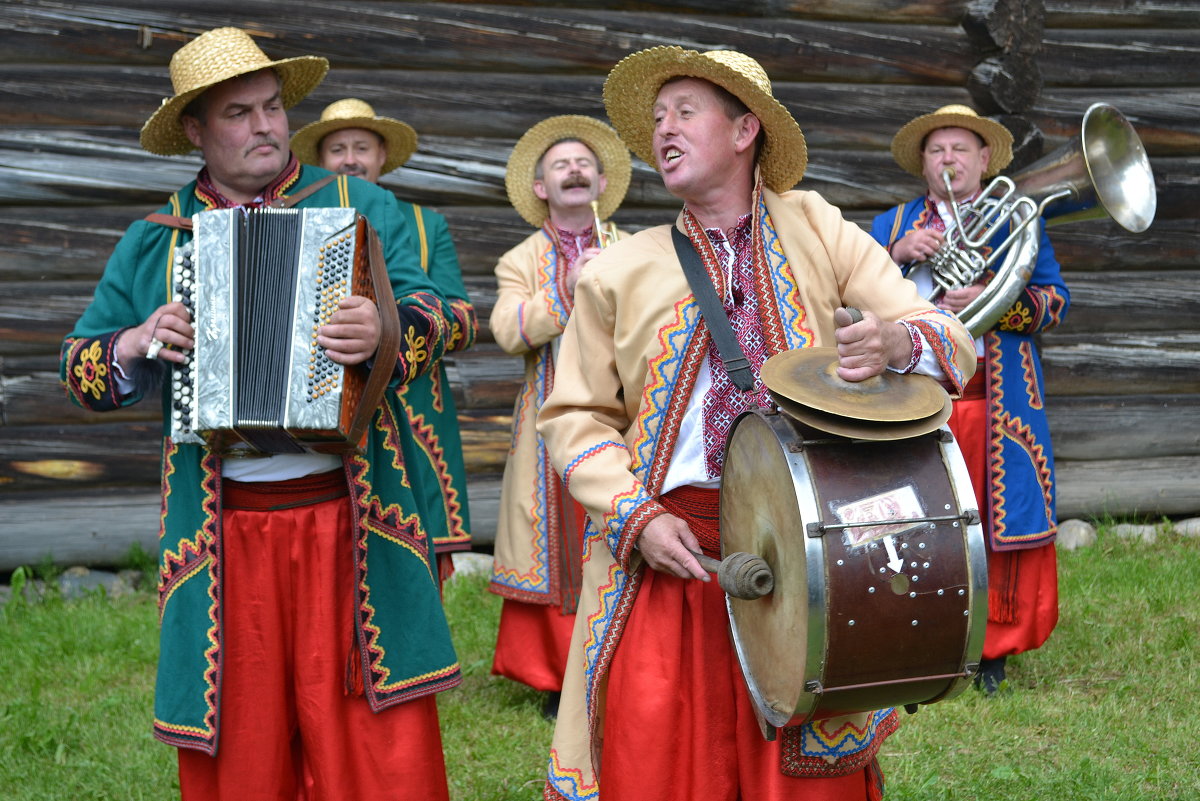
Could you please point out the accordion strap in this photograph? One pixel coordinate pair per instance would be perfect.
(286, 202)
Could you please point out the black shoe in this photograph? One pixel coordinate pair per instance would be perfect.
(550, 706)
(990, 676)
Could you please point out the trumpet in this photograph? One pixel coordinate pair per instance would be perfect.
(606, 232)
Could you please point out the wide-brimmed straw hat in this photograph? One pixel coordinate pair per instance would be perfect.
(632, 88)
(909, 140)
(400, 138)
(212, 57)
(529, 149)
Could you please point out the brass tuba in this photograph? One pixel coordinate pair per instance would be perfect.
(606, 232)
(1103, 172)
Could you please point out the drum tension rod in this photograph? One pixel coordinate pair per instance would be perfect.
(970, 517)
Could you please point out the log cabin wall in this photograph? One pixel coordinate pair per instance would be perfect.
(78, 79)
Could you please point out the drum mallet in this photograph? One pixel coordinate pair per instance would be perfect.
(741, 575)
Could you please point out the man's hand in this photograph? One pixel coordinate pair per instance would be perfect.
(956, 300)
(866, 348)
(664, 544)
(918, 245)
(576, 267)
(352, 334)
(170, 325)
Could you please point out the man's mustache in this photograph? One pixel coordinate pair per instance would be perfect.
(266, 140)
(575, 179)
(352, 169)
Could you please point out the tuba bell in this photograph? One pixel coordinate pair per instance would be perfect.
(1103, 172)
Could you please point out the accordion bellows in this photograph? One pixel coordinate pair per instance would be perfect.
(259, 284)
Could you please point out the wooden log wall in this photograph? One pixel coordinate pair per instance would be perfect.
(77, 80)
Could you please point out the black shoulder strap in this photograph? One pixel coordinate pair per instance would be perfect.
(732, 355)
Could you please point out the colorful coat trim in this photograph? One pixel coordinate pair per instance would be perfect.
(403, 641)
(628, 364)
(531, 310)
(440, 472)
(808, 749)
(1020, 480)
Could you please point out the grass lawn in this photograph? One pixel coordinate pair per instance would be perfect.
(1105, 710)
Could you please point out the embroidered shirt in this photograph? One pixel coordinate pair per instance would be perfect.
(692, 462)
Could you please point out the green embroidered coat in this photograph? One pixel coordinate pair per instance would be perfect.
(439, 472)
(403, 642)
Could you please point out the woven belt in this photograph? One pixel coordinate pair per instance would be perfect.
(271, 496)
(700, 509)
(976, 388)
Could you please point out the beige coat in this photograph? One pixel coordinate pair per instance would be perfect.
(530, 314)
(625, 373)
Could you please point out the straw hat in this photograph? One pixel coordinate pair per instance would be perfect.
(632, 88)
(212, 57)
(529, 149)
(400, 137)
(906, 145)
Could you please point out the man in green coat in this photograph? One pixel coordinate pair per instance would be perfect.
(302, 635)
(351, 139)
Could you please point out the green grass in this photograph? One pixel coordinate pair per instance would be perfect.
(76, 684)
(1105, 710)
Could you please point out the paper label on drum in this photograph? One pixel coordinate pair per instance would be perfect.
(900, 504)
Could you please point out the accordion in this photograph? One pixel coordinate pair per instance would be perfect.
(259, 284)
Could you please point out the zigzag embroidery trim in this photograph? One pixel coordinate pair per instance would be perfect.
(670, 377)
(589, 453)
(569, 784)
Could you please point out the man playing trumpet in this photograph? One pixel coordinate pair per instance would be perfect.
(1000, 421)
(565, 176)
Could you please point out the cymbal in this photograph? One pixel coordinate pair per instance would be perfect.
(808, 376)
(863, 429)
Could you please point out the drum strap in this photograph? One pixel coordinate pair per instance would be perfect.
(732, 355)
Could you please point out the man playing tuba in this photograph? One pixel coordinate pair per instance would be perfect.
(1000, 421)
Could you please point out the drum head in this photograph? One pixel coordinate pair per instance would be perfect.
(760, 515)
(878, 562)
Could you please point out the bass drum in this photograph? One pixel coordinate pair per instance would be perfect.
(880, 595)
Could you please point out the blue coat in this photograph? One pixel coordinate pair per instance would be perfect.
(1020, 479)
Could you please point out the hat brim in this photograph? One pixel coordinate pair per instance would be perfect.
(400, 138)
(163, 133)
(906, 144)
(632, 88)
(529, 149)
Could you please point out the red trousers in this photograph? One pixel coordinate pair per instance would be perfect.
(678, 718)
(533, 639)
(288, 729)
(532, 644)
(1022, 585)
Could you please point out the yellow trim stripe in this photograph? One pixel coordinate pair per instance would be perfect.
(175, 209)
(343, 191)
(421, 236)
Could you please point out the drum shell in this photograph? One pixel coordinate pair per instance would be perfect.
(845, 631)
